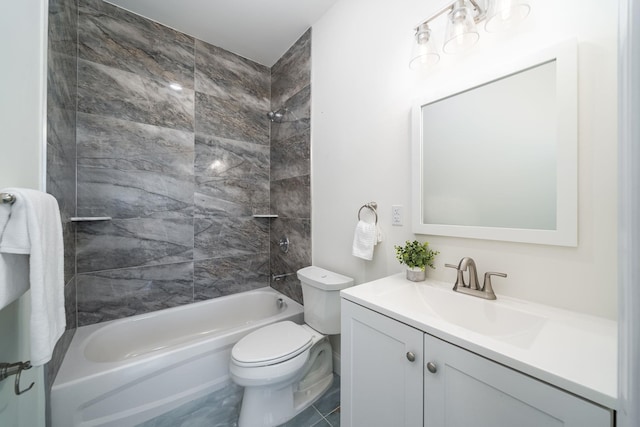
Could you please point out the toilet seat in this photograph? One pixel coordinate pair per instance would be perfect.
(271, 344)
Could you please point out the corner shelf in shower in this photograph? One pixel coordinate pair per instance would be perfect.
(265, 215)
(89, 218)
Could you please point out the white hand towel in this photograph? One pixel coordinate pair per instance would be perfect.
(364, 239)
(34, 227)
(379, 234)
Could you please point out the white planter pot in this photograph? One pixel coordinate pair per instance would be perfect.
(416, 274)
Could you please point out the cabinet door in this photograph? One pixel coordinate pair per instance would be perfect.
(380, 385)
(469, 390)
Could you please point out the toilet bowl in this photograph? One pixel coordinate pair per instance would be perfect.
(285, 367)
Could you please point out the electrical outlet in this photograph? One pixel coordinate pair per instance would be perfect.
(396, 215)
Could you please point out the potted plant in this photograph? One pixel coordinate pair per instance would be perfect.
(416, 256)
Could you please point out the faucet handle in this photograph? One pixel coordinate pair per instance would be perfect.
(459, 277)
(488, 274)
(486, 287)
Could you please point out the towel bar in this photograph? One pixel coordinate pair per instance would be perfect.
(372, 206)
(8, 369)
(7, 198)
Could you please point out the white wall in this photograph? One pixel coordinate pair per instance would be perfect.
(23, 94)
(361, 99)
(23, 31)
(628, 413)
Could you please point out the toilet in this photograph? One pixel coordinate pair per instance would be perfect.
(284, 367)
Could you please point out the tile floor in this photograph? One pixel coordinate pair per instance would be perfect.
(221, 409)
(324, 413)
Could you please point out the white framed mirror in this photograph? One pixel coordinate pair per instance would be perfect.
(495, 157)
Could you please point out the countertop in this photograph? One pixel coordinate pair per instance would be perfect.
(572, 351)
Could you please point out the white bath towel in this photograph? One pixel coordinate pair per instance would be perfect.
(14, 277)
(364, 240)
(14, 269)
(34, 227)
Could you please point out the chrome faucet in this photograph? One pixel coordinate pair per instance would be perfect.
(472, 288)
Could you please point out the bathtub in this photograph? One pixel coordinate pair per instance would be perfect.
(127, 371)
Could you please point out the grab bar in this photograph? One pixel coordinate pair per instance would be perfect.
(7, 198)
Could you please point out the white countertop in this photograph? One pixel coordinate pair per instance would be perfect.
(572, 351)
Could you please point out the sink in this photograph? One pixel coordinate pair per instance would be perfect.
(490, 318)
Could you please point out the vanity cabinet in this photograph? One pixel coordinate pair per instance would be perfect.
(382, 376)
(396, 375)
(469, 390)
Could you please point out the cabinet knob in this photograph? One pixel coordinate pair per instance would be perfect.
(432, 367)
(411, 357)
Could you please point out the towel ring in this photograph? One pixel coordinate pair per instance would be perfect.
(372, 206)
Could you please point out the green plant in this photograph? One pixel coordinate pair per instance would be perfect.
(415, 254)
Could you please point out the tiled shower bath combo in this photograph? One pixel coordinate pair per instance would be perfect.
(169, 136)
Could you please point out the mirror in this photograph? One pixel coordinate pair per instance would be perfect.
(496, 158)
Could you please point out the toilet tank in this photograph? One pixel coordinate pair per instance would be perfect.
(321, 298)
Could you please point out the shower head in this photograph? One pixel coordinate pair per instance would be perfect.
(277, 116)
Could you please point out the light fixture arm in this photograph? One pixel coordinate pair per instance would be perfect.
(480, 12)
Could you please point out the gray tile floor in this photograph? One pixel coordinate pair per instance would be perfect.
(324, 413)
(221, 409)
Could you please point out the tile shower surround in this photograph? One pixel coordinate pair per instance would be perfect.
(290, 165)
(182, 171)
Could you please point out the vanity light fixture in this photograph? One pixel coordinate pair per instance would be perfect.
(424, 53)
(505, 14)
(461, 31)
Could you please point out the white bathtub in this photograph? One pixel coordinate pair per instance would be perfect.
(127, 371)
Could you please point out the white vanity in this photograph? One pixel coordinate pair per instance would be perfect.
(419, 354)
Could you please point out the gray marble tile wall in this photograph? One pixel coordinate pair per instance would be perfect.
(231, 173)
(61, 149)
(290, 165)
(173, 144)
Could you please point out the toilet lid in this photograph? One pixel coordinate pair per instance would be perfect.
(272, 344)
